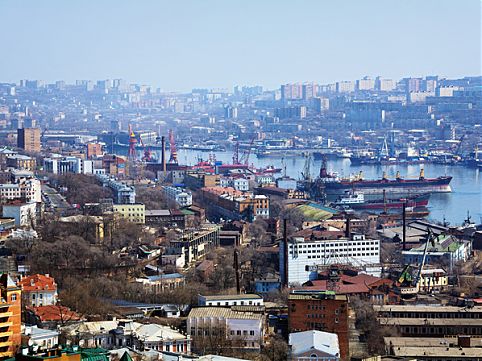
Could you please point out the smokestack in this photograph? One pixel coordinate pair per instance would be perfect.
(404, 225)
(163, 153)
(285, 251)
(236, 269)
(348, 226)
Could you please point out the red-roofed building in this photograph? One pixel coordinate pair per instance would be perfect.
(38, 290)
(50, 316)
(378, 290)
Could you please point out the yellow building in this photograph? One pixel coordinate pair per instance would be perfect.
(10, 316)
(135, 213)
(433, 280)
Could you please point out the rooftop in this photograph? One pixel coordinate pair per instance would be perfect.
(37, 282)
(221, 312)
(314, 340)
(245, 296)
(425, 308)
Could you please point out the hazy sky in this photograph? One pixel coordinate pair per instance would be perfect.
(180, 44)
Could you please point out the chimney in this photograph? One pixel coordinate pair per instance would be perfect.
(236, 269)
(285, 251)
(404, 225)
(348, 226)
(163, 153)
(464, 341)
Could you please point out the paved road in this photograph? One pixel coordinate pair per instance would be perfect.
(53, 200)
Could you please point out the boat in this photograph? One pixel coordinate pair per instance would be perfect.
(356, 200)
(372, 160)
(269, 169)
(399, 186)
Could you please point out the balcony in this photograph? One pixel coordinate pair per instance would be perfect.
(6, 314)
(6, 344)
(6, 334)
(6, 354)
(6, 324)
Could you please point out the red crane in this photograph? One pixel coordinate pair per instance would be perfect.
(172, 147)
(245, 157)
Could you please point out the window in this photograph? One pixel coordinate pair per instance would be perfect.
(251, 333)
(238, 332)
(14, 297)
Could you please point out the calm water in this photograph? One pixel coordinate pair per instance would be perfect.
(466, 183)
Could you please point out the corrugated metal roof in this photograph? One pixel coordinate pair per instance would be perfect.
(221, 312)
(244, 296)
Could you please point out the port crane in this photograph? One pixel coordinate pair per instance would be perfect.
(306, 173)
(412, 284)
(245, 157)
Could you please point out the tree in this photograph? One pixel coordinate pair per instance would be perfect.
(258, 231)
(367, 323)
(275, 349)
(153, 198)
(81, 188)
(294, 216)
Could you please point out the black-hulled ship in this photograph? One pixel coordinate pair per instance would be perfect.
(400, 186)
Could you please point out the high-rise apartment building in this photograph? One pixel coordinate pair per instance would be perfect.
(10, 316)
(291, 91)
(365, 84)
(309, 90)
(29, 139)
(382, 84)
(345, 86)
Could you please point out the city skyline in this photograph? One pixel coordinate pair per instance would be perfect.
(178, 47)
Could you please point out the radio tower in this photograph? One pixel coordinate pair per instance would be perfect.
(131, 153)
(172, 148)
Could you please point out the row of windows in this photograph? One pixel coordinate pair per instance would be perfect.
(424, 330)
(337, 244)
(315, 307)
(343, 249)
(315, 315)
(215, 332)
(350, 255)
(424, 315)
(244, 333)
(235, 303)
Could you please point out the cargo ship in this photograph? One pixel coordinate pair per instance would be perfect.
(372, 160)
(400, 186)
(357, 201)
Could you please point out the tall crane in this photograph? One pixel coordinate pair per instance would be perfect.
(245, 157)
(306, 173)
(172, 147)
(413, 283)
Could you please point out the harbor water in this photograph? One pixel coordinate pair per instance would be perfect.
(466, 195)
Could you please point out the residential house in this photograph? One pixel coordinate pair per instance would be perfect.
(231, 300)
(162, 282)
(235, 329)
(128, 333)
(38, 290)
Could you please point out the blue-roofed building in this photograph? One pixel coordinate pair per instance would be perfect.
(162, 282)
